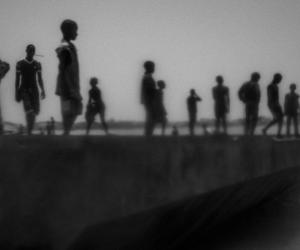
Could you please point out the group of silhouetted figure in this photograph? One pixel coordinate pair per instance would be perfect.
(29, 89)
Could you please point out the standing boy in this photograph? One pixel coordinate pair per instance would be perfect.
(192, 109)
(68, 86)
(28, 74)
(291, 106)
(95, 106)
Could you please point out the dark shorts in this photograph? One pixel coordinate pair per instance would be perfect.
(71, 107)
(92, 110)
(276, 111)
(252, 110)
(220, 111)
(31, 101)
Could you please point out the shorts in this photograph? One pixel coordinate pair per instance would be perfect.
(31, 101)
(71, 107)
(92, 110)
(276, 111)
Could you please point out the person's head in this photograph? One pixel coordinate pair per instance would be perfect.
(161, 84)
(93, 81)
(149, 66)
(219, 80)
(255, 76)
(277, 78)
(293, 87)
(192, 92)
(69, 29)
(30, 51)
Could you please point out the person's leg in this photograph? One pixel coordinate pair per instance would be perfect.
(217, 124)
(288, 125)
(103, 122)
(280, 121)
(89, 122)
(30, 120)
(295, 121)
(224, 123)
(247, 119)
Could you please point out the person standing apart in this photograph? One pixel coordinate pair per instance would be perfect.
(274, 105)
(249, 94)
(68, 86)
(192, 110)
(291, 107)
(221, 98)
(95, 106)
(148, 96)
(28, 74)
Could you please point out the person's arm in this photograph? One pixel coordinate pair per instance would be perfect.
(17, 83)
(40, 81)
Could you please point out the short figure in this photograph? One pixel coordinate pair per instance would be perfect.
(68, 86)
(175, 131)
(28, 78)
(52, 125)
(148, 97)
(48, 128)
(160, 110)
(221, 98)
(250, 95)
(291, 106)
(95, 106)
(192, 110)
(274, 105)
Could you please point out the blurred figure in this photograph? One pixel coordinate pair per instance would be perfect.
(68, 86)
(192, 109)
(4, 68)
(52, 125)
(221, 98)
(274, 105)
(28, 73)
(148, 93)
(249, 94)
(161, 113)
(95, 106)
(175, 131)
(21, 129)
(291, 106)
(49, 128)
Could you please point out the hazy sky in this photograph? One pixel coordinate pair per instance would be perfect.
(191, 41)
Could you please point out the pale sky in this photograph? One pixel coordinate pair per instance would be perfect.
(191, 41)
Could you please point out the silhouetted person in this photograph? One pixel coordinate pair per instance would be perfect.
(175, 131)
(49, 128)
(161, 113)
(274, 105)
(68, 86)
(221, 98)
(28, 74)
(52, 124)
(192, 109)
(4, 68)
(95, 106)
(148, 94)
(291, 106)
(21, 129)
(249, 94)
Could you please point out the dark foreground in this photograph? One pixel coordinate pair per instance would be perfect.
(158, 193)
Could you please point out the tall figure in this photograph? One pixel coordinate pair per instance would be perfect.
(68, 86)
(221, 98)
(192, 109)
(274, 105)
(95, 106)
(148, 95)
(4, 68)
(28, 74)
(249, 94)
(291, 107)
(161, 113)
